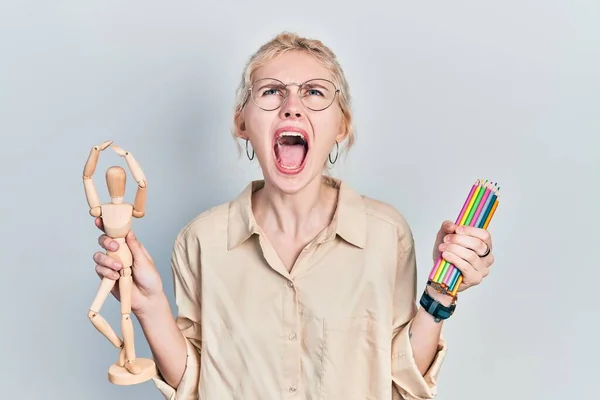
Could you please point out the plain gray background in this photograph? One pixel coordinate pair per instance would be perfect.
(444, 93)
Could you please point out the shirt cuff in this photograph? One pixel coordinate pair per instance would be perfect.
(188, 386)
(406, 375)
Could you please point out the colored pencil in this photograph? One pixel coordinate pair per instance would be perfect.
(450, 273)
(443, 264)
(477, 211)
(456, 278)
(460, 215)
(458, 281)
(466, 221)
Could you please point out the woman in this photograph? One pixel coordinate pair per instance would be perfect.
(299, 288)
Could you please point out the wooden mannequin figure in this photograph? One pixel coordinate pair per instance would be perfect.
(117, 219)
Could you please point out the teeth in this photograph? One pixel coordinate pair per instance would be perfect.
(290, 168)
(296, 134)
(290, 134)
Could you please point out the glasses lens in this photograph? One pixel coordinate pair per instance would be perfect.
(268, 94)
(317, 94)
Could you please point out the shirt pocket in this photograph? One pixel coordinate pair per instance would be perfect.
(352, 359)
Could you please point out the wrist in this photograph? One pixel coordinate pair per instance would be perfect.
(152, 306)
(439, 305)
(444, 299)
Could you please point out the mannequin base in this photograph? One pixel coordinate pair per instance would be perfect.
(121, 376)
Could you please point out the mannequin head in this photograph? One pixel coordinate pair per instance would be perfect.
(116, 179)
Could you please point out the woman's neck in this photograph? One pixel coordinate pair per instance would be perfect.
(295, 216)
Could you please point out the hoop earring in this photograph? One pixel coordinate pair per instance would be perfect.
(337, 153)
(248, 153)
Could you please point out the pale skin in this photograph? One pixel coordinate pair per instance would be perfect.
(291, 210)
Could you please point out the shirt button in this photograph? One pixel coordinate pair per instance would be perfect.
(293, 389)
(290, 284)
(292, 336)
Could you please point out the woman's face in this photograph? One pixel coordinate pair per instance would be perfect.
(292, 142)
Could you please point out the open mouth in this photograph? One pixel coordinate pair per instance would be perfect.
(290, 150)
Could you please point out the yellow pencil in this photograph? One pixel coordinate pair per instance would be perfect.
(485, 225)
(444, 264)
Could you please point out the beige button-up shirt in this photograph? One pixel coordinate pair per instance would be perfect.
(335, 327)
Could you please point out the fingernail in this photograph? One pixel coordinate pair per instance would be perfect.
(447, 238)
(113, 245)
(117, 264)
(460, 229)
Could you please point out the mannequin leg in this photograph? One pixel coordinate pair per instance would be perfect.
(125, 286)
(97, 320)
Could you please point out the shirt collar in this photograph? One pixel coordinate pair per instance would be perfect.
(349, 220)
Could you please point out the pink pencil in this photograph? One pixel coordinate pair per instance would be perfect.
(464, 207)
(449, 272)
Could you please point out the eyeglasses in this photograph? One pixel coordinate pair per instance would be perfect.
(315, 94)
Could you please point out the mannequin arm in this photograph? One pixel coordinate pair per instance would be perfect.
(139, 203)
(90, 190)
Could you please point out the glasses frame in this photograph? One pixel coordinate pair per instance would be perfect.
(300, 85)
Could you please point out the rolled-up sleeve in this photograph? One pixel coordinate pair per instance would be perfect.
(187, 297)
(406, 377)
(188, 386)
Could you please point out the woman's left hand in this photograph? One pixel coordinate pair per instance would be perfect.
(468, 249)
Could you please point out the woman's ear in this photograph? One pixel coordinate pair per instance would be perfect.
(240, 125)
(343, 130)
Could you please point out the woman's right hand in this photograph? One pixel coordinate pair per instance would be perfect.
(147, 284)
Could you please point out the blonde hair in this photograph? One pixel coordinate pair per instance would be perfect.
(287, 42)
